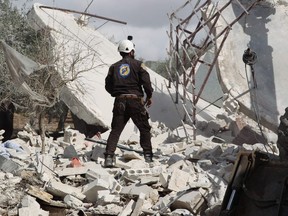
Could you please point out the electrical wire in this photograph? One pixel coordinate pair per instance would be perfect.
(250, 58)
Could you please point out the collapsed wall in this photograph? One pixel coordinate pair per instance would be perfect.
(263, 31)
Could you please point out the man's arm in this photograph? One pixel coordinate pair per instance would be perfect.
(109, 81)
(145, 81)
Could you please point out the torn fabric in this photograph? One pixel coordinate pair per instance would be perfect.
(21, 66)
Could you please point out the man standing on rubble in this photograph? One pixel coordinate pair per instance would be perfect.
(125, 81)
(282, 142)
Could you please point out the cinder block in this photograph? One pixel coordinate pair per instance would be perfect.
(193, 201)
(91, 189)
(114, 186)
(132, 173)
(93, 174)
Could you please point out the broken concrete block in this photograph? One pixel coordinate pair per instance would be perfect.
(114, 185)
(77, 170)
(179, 180)
(166, 149)
(91, 188)
(18, 155)
(158, 169)
(59, 189)
(204, 164)
(180, 212)
(121, 164)
(13, 179)
(153, 196)
(271, 136)
(230, 150)
(193, 201)
(29, 206)
(74, 137)
(135, 173)
(177, 165)
(191, 151)
(213, 127)
(164, 179)
(135, 190)
(174, 158)
(163, 203)
(104, 197)
(129, 155)
(218, 187)
(109, 209)
(45, 164)
(7, 165)
(73, 202)
(98, 153)
(100, 172)
(201, 180)
(248, 135)
(128, 209)
(225, 171)
(180, 146)
(149, 180)
(136, 164)
(27, 137)
(70, 152)
(138, 206)
(247, 147)
(161, 138)
(2, 175)
(213, 153)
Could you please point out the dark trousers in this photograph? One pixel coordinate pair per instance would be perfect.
(6, 120)
(124, 109)
(282, 144)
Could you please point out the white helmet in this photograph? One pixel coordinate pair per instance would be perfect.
(126, 46)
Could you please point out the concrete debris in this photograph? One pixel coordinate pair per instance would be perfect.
(29, 206)
(186, 177)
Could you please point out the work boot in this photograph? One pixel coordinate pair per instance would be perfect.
(148, 157)
(109, 161)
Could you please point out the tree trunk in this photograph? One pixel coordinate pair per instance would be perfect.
(42, 130)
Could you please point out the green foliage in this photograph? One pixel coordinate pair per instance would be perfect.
(16, 32)
(159, 67)
(9, 25)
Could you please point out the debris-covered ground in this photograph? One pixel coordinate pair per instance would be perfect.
(187, 177)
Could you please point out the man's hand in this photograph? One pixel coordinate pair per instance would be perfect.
(148, 102)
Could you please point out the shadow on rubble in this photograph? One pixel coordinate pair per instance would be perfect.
(55, 126)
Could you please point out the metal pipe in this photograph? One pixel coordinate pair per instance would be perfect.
(83, 13)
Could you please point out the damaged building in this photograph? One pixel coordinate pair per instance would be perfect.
(214, 125)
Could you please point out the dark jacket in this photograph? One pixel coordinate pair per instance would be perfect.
(128, 76)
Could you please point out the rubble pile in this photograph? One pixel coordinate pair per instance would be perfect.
(186, 178)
